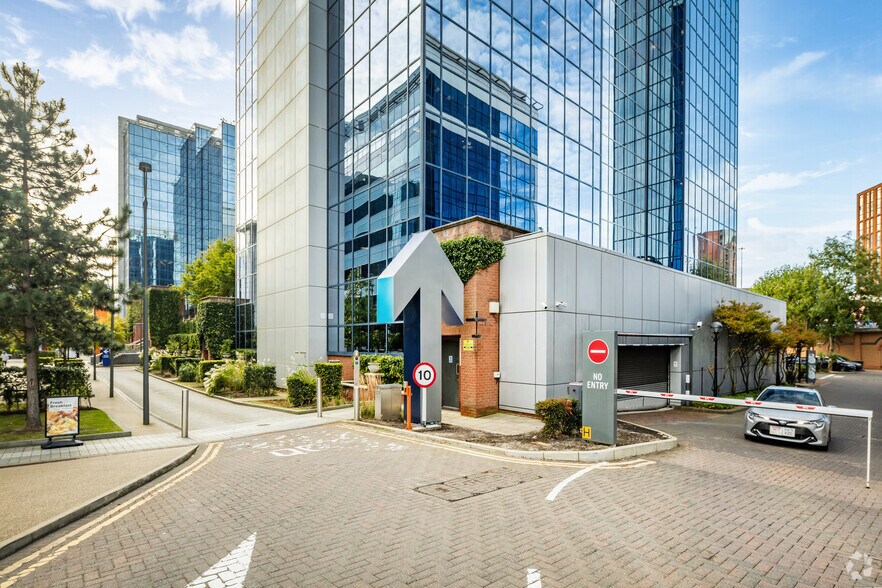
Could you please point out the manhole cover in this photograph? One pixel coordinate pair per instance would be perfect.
(477, 484)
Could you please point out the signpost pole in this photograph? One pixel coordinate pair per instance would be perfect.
(869, 446)
(318, 397)
(356, 379)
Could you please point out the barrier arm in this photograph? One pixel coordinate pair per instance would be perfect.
(831, 410)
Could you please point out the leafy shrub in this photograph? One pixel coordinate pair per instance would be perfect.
(225, 378)
(65, 380)
(247, 355)
(216, 324)
(205, 367)
(473, 253)
(367, 410)
(332, 378)
(391, 366)
(301, 388)
(13, 386)
(560, 416)
(185, 343)
(167, 365)
(63, 361)
(259, 379)
(188, 327)
(165, 314)
(188, 372)
(182, 361)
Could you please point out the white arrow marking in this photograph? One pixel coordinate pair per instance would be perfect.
(636, 463)
(230, 571)
(534, 578)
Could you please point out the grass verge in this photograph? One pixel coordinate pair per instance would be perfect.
(92, 422)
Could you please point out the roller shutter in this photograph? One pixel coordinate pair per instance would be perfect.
(643, 368)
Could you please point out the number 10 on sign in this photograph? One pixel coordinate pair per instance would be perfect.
(424, 374)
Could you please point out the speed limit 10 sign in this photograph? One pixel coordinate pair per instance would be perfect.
(424, 374)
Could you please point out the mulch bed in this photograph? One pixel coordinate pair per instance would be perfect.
(628, 434)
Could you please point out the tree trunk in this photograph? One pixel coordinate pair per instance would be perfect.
(31, 366)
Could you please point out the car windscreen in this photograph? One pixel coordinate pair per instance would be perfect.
(790, 396)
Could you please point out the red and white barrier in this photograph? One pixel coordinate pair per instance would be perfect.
(750, 403)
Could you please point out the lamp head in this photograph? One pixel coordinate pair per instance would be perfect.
(145, 167)
(716, 327)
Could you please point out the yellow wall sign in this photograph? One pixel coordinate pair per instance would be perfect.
(468, 344)
(586, 432)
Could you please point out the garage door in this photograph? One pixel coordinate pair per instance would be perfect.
(643, 368)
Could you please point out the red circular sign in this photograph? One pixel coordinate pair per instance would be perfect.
(424, 374)
(598, 351)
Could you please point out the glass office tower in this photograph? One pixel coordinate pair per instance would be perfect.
(190, 194)
(613, 122)
(246, 176)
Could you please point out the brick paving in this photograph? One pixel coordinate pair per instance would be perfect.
(337, 506)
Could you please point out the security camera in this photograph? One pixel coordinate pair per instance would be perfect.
(698, 324)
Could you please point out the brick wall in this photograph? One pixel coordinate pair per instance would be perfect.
(478, 389)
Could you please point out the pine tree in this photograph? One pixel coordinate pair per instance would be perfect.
(52, 265)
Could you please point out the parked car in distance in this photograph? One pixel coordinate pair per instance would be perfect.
(792, 426)
(842, 364)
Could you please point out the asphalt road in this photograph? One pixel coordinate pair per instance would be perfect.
(205, 412)
(342, 505)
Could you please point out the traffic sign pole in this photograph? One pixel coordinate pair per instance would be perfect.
(424, 375)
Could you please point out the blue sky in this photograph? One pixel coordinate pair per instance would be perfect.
(810, 98)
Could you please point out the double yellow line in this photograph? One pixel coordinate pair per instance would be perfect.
(59, 546)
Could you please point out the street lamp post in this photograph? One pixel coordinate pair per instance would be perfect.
(145, 308)
(716, 327)
(112, 315)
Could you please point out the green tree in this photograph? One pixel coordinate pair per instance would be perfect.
(749, 332)
(213, 273)
(53, 265)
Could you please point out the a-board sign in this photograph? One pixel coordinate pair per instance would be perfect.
(424, 374)
(62, 416)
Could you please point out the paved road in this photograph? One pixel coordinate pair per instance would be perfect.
(165, 402)
(340, 505)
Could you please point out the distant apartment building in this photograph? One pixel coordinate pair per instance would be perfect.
(869, 218)
(190, 194)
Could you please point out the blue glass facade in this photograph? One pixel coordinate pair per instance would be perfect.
(191, 192)
(613, 122)
(246, 174)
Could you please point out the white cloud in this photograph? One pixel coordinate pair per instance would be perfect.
(15, 42)
(96, 66)
(780, 82)
(199, 7)
(786, 180)
(162, 62)
(128, 10)
(58, 5)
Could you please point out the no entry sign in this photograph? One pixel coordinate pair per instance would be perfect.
(424, 374)
(598, 351)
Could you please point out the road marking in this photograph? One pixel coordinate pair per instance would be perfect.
(472, 452)
(636, 463)
(65, 542)
(534, 578)
(231, 570)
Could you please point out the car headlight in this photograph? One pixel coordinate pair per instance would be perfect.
(752, 415)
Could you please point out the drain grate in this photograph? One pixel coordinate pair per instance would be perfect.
(477, 484)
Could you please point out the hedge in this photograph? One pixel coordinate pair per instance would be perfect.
(332, 378)
(216, 324)
(301, 388)
(13, 386)
(259, 378)
(165, 315)
(179, 361)
(391, 366)
(560, 416)
(473, 253)
(247, 355)
(188, 327)
(184, 343)
(205, 367)
(166, 364)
